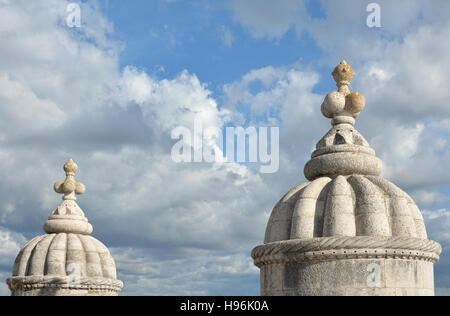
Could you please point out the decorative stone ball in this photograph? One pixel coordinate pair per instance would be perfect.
(334, 103)
(80, 188)
(68, 186)
(355, 103)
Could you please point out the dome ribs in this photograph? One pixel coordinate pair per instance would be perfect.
(281, 217)
(21, 264)
(92, 257)
(402, 221)
(107, 261)
(56, 257)
(371, 210)
(39, 256)
(304, 217)
(75, 255)
(339, 218)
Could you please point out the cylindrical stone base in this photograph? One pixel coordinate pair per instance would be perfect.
(63, 286)
(349, 277)
(63, 292)
(348, 266)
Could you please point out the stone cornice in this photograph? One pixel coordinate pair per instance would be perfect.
(52, 282)
(330, 248)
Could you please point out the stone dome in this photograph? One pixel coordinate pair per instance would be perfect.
(346, 196)
(73, 261)
(356, 205)
(348, 231)
(65, 261)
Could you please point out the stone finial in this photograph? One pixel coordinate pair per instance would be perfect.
(343, 74)
(68, 217)
(343, 150)
(343, 106)
(70, 187)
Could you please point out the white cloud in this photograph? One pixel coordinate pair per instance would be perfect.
(226, 36)
(266, 18)
(34, 112)
(427, 198)
(116, 125)
(169, 103)
(195, 272)
(4, 291)
(11, 243)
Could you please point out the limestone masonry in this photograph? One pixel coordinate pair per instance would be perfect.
(66, 261)
(348, 231)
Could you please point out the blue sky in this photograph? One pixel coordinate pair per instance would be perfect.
(191, 35)
(108, 95)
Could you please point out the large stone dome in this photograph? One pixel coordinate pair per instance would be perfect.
(67, 260)
(348, 226)
(357, 205)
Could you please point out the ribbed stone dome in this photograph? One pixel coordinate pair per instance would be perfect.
(66, 261)
(348, 231)
(347, 196)
(74, 261)
(357, 205)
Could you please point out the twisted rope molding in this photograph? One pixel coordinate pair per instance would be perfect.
(40, 282)
(346, 248)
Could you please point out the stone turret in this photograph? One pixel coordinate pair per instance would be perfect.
(348, 231)
(66, 261)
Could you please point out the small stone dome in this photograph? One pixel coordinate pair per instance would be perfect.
(357, 205)
(65, 261)
(76, 261)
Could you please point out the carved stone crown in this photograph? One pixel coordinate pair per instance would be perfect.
(343, 106)
(68, 216)
(343, 150)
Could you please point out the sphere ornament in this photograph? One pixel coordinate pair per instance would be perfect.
(347, 225)
(67, 261)
(343, 102)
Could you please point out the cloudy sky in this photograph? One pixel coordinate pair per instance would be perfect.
(109, 93)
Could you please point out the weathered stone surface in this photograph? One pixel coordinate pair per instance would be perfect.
(331, 235)
(66, 261)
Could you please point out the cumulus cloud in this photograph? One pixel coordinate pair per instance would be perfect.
(11, 243)
(266, 18)
(226, 36)
(340, 28)
(194, 272)
(116, 125)
(189, 228)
